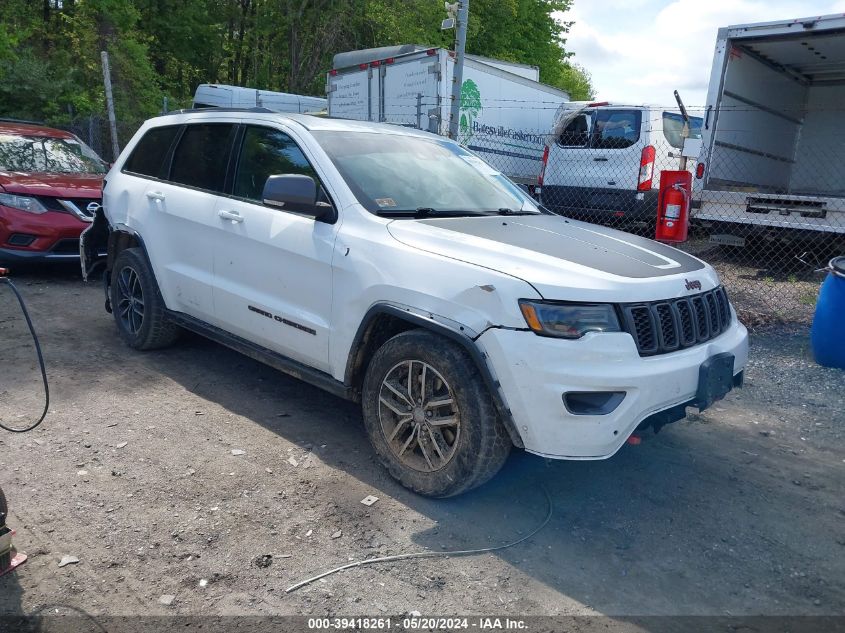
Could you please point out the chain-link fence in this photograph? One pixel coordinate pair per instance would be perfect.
(767, 206)
(94, 131)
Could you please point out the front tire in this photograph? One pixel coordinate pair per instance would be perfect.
(430, 417)
(136, 303)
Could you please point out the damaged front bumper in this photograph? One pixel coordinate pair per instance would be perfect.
(582, 399)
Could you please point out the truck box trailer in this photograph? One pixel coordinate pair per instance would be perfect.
(221, 96)
(505, 112)
(773, 146)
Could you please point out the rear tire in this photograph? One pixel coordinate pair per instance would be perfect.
(4, 506)
(430, 416)
(137, 305)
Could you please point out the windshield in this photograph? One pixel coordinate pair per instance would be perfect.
(673, 124)
(47, 154)
(396, 174)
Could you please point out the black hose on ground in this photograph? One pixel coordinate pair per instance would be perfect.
(17, 294)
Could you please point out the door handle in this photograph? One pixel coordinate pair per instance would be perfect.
(234, 216)
(601, 158)
(155, 195)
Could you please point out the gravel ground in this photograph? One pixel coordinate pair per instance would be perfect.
(199, 475)
(765, 286)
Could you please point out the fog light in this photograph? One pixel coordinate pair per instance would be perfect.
(592, 402)
(20, 239)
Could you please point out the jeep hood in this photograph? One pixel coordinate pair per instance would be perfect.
(562, 258)
(53, 185)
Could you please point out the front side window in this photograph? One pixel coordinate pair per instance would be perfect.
(616, 129)
(48, 154)
(267, 152)
(402, 174)
(202, 156)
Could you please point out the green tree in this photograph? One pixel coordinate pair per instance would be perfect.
(50, 49)
(54, 69)
(576, 80)
(526, 31)
(470, 108)
(34, 88)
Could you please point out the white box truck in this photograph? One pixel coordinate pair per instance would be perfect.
(773, 142)
(505, 112)
(222, 96)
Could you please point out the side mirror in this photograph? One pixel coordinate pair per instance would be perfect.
(296, 193)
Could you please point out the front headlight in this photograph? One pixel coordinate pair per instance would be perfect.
(569, 320)
(22, 203)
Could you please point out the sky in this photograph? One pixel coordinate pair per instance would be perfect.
(639, 51)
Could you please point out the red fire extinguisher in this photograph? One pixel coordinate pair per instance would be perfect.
(673, 203)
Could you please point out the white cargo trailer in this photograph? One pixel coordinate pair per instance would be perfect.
(505, 112)
(773, 143)
(222, 96)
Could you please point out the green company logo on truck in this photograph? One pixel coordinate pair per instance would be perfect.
(470, 108)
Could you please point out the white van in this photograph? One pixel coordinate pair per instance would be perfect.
(221, 96)
(603, 160)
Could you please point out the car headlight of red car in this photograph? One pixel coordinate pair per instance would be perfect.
(22, 203)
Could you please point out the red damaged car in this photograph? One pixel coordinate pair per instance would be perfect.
(50, 188)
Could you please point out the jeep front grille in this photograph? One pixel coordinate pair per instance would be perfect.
(660, 327)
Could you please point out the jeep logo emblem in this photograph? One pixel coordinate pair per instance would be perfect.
(93, 207)
(693, 285)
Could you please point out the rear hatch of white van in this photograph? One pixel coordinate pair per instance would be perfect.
(605, 161)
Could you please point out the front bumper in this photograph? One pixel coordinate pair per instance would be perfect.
(535, 372)
(20, 256)
(51, 236)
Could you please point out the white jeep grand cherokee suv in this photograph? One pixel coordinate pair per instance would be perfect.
(395, 268)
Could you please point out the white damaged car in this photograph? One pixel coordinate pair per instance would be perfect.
(394, 268)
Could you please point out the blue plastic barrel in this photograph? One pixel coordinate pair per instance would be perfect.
(828, 331)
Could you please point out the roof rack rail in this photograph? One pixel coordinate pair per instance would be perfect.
(28, 122)
(213, 109)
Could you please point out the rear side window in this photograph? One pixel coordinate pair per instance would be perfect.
(202, 155)
(616, 129)
(147, 158)
(577, 132)
(266, 152)
(673, 123)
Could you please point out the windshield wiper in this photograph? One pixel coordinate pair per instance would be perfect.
(425, 212)
(524, 209)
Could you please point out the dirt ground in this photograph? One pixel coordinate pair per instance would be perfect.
(739, 510)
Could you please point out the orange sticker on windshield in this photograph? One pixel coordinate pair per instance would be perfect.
(386, 202)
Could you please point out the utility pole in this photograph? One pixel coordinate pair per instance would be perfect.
(458, 76)
(104, 56)
(684, 130)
